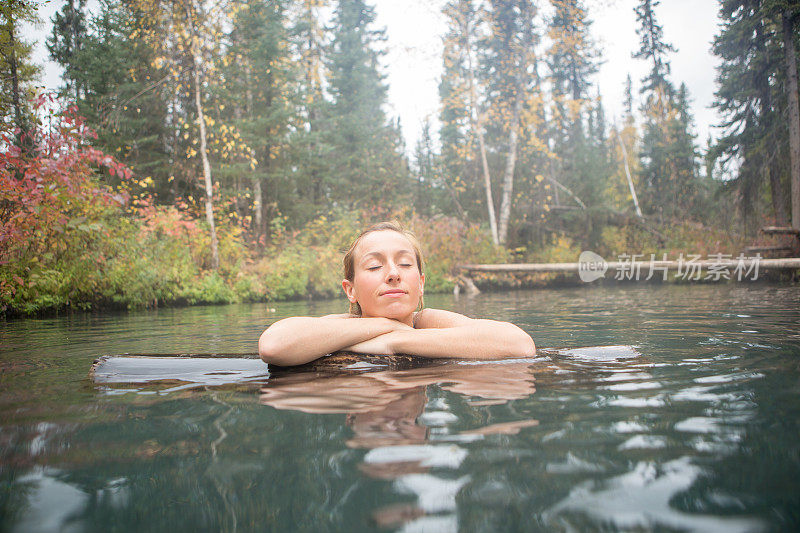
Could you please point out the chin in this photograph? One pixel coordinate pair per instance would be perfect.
(395, 313)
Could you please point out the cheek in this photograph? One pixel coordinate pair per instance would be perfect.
(365, 280)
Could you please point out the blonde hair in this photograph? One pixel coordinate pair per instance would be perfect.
(349, 259)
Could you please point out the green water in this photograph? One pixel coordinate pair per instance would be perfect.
(695, 428)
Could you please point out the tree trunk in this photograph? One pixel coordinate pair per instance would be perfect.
(257, 207)
(628, 173)
(12, 63)
(206, 165)
(189, 6)
(777, 188)
(477, 126)
(794, 114)
(511, 161)
(257, 194)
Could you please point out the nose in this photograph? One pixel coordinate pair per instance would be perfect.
(392, 272)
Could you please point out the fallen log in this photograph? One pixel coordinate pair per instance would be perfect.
(780, 230)
(789, 263)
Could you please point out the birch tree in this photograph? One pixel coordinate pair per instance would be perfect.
(461, 66)
(187, 37)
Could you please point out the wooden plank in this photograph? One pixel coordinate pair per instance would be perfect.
(208, 370)
(780, 230)
(173, 372)
(767, 249)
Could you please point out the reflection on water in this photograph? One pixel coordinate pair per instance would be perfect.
(414, 448)
(687, 419)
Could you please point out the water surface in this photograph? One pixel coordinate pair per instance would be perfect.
(691, 425)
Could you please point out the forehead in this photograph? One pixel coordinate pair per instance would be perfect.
(387, 242)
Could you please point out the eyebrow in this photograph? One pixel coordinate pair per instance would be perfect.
(381, 254)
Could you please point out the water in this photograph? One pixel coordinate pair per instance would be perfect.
(692, 424)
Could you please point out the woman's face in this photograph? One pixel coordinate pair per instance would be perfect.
(386, 280)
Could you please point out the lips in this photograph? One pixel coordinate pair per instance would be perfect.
(393, 292)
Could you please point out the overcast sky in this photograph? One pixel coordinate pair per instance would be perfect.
(415, 28)
(413, 60)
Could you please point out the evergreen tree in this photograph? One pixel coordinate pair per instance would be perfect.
(66, 42)
(258, 100)
(668, 155)
(17, 72)
(310, 151)
(367, 168)
(572, 60)
(463, 115)
(654, 50)
(753, 153)
(624, 182)
(117, 89)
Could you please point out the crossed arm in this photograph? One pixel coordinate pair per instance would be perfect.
(439, 333)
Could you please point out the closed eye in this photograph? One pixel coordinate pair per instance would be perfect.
(373, 268)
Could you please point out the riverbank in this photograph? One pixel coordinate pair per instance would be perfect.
(147, 256)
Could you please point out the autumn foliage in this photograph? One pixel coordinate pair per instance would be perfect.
(69, 239)
(52, 204)
(80, 230)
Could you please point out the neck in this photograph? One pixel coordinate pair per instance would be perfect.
(407, 320)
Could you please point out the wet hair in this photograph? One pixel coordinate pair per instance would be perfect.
(349, 259)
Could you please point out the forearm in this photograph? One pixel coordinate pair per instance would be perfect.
(484, 339)
(298, 340)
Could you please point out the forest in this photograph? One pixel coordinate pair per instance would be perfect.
(222, 151)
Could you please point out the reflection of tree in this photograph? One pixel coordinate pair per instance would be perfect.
(383, 410)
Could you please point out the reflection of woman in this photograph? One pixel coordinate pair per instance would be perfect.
(383, 407)
(384, 283)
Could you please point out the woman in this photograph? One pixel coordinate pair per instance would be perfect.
(384, 284)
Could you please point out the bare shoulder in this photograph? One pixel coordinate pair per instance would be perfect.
(439, 318)
(339, 315)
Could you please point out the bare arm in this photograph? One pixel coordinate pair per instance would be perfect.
(444, 334)
(298, 340)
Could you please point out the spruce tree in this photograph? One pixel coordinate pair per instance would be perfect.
(110, 77)
(17, 71)
(668, 159)
(309, 142)
(65, 44)
(258, 99)
(572, 60)
(753, 153)
(366, 168)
